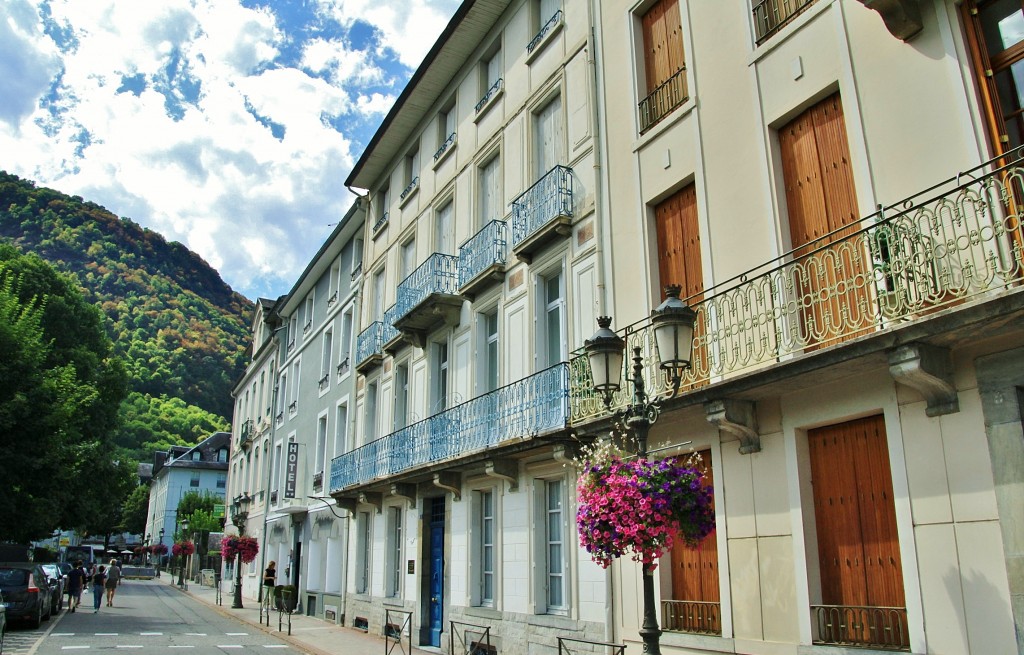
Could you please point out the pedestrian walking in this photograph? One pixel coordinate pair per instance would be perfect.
(113, 580)
(99, 579)
(77, 578)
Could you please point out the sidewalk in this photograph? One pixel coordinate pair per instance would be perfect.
(309, 635)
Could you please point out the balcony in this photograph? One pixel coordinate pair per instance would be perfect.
(692, 617)
(245, 436)
(482, 259)
(369, 347)
(542, 213)
(883, 628)
(445, 148)
(547, 30)
(428, 298)
(521, 410)
(490, 96)
(379, 225)
(390, 338)
(660, 102)
(770, 16)
(929, 255)
(344, 366)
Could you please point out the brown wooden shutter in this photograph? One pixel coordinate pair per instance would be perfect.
(662, 30)
(695, 573)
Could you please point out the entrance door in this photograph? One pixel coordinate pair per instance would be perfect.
(435, 611)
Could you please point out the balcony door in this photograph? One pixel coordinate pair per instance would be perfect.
(830, 275)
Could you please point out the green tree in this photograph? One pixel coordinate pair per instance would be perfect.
(135, 509)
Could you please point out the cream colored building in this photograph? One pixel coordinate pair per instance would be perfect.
(796, 167)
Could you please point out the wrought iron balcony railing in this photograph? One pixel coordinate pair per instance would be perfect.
(692, 616)
(343, 366)
(246, 433)
(862, 627)
(483, 250)
(961, 239)
(379, 224)
(333, 299)
(491, 92)
(414, 183)
(449, 142)
(772, 15)
(324, 381)
(533, 405)
(388, 332)
(549, 198)
(293, 407)
(439, 274)
(369, 343)
(555, 19)
(661, 101)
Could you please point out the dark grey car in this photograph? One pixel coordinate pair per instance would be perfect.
(26, 592)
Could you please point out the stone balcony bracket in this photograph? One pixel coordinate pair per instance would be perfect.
(504, 469)
(929, 370)
(347, 504)
(406, 491)
(901, 17)
(372, 498)
(449, 481)
(565, 453)
(738, 417)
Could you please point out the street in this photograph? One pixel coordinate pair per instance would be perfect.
(149, 616)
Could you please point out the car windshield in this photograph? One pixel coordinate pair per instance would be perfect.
(13, 577)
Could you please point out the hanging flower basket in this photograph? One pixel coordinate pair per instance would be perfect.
(640, 506)
(244, 545)
(158, 549)
(183, 548)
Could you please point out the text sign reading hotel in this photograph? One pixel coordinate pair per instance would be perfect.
(291, 469)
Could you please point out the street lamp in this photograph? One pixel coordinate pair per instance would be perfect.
(673, 322)
(160, 556)
(241, 512)
(181, 564)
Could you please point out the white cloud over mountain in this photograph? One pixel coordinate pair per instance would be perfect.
(229, 126)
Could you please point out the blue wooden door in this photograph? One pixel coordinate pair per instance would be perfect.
(436, 572)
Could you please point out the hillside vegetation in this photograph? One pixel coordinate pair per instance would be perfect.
(181, 331)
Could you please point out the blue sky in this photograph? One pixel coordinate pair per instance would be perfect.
(227, 125)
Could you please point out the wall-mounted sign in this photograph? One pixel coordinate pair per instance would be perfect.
(291, 469)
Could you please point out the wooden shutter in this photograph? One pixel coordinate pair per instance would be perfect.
(858, 547)
(695, 577)
(821, 199)
(662, 30)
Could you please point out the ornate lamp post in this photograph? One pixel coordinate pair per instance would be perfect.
(240, 508)
(160, 556)
(673, 324)
(181, 564)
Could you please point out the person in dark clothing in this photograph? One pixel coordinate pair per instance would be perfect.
(99, 579)
(76, 583)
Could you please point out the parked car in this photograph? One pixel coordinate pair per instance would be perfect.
(58, 586)
(3, 622)
(26, 591)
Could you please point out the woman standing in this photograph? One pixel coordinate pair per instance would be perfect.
(270, 575)
(113, 579)
(99, 580)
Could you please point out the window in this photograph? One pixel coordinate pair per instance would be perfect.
(293, 330)
(282, 395)
(326, 359)
(485, 552)
(370, 413)
(222, 480)
(551, 348)
(490, 77)
(664, 62)
(446, 124)
(554, 582)
(363, 545)
(549, 150)
(394, 552)
(197, 456)
(345, 347)
(222, 455)
(341, 444)
(308, 315)
(411, 172)
(547, 14)
(382, 202)
(490, 206)
(357, 256)
(296, 369)
(408, 262)
(275, 470)
(440, 377)
(488, 322)
(194, 482)
(378, 295)
(401, 396)
(772, 15)
(320, 454)
(444, 230)
(334, 283)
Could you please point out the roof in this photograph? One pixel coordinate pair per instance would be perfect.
(454, 47)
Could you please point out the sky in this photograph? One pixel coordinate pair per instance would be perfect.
(227, 125)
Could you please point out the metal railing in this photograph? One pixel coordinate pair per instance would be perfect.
(772, 15)
(549, 198)
(692, 616)
(661, 101)
(570, 646)
(439, 274)
(293, 407)
(388, 332)
(958, 240)
(444, 146)
(555, 19)
(396, 624)
(333, 299)
(307, 327)
(491, 92)
(343, 366)
(482, 250)
(519, 410)
(245, 436)
(859, 626)
(324, 381)
(369, 343)
(413, 183)
(470, 639)
(381, 221)
(318, 479)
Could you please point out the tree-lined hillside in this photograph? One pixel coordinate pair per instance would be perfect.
(181, 331)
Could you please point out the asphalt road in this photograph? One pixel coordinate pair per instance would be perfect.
(148, 617)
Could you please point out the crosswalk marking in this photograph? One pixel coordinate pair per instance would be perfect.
(178, 646)
(229, 645)
(275, 645)
(237, 634)
(106, 634)
(128, 646)
(74, 647)
(196, 634)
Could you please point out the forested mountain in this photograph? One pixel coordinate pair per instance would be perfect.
(181, 331)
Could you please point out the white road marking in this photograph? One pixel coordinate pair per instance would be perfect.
(62, 634)
(196, 634)
(229, 645)
(173, 646)
(106, 634)
(237, 634)
(275, 645)
(120, 646)
(151, 634)
(73, 647)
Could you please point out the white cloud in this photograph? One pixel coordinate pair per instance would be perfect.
(28, 60)
(375, 104)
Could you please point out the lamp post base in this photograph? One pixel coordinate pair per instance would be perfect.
(650, 632)
(236, 600)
